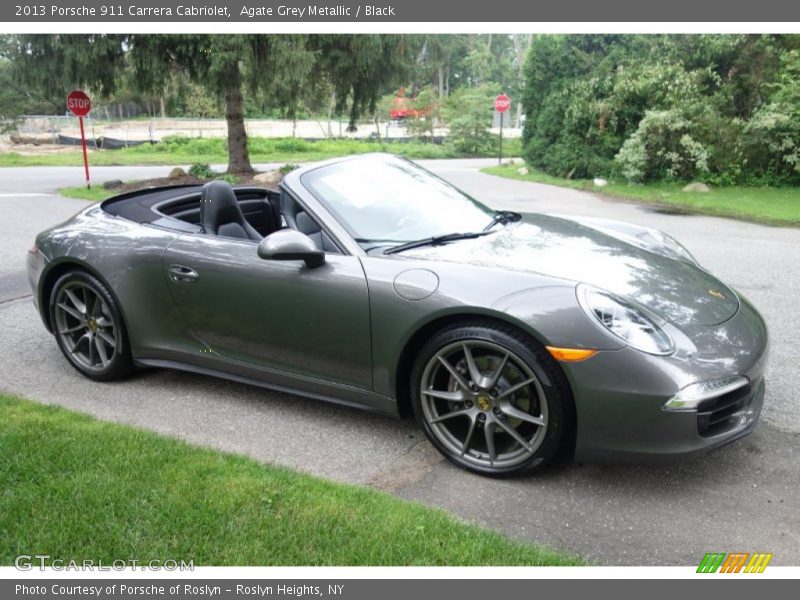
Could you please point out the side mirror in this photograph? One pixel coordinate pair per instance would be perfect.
(288, 244)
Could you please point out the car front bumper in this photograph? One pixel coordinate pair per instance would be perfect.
(620, 395)
(35, 263)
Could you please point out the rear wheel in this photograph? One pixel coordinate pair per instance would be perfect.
(88, 327)
(490, 399)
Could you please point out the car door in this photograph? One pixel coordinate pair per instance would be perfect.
(277, 314)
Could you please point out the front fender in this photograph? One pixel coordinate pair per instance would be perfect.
(554, 313)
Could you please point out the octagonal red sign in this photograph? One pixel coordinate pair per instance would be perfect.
(78, 103)
(502, 103)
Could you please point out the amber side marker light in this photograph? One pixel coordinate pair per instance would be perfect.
(570, 354)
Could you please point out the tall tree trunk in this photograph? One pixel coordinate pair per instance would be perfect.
(441, 81)
(162, 107)
(238, 155)
(521, 47)
(331, 105)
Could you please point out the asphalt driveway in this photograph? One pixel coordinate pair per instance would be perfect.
(743, 497)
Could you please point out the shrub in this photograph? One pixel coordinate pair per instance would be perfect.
(227, 178)
(429, 109)
(469, 117)
(722, 108)
(202, 171)
(292, 145)
(663, 148)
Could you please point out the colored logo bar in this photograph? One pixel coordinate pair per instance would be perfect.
(734, 562)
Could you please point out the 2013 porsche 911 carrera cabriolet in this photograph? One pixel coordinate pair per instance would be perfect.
(370, 281)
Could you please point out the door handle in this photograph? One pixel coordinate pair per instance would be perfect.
(181, 274)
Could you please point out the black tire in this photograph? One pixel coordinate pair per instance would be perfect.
(487, 340)
(111, 351)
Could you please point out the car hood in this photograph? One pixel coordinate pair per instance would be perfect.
(675, 289)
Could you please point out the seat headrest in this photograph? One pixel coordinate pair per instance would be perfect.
(218, 205)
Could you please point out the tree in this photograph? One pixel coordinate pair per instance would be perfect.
(522, 44)
(440, 60)
(469, 117)
(281, 67)
(361, 68)
(17, 99)
(651, 107)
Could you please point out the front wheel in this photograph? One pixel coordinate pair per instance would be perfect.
(490, 399)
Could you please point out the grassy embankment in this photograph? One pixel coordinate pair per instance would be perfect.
(185, 151)
(77, 488)
(770, 205)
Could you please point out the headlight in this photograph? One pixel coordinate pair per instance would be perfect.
(665, 244)
(625, 321)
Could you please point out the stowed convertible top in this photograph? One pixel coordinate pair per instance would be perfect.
(139, 206)
(178, 207)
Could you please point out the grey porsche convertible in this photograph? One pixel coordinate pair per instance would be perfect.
(371, 282)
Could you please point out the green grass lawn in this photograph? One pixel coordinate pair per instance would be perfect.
(74, 487)
(184, 151)
(774, 206)
(79, 191)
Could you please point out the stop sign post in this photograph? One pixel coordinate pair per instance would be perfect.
(501, 104)
(79, 105)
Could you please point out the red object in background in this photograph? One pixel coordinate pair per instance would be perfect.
(79, 105)
(502, 103)
(403, 108)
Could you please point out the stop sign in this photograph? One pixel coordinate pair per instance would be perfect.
(78, 103)
(502, 103)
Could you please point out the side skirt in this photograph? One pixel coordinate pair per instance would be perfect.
(361, 399)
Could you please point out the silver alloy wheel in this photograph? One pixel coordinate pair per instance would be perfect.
(484, 404)
(84, 324)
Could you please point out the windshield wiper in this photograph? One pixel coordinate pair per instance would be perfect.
(435, 240)
(376, 243)
(503, 216)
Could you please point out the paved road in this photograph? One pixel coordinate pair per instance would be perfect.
(741, 497)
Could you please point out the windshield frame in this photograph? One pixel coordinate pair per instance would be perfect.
(366, 245)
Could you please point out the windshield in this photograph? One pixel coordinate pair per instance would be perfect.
(384, 200)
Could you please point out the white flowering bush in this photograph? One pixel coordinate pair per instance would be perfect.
(662, 147)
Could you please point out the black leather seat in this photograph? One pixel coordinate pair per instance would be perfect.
(220, 213)
(297, 218)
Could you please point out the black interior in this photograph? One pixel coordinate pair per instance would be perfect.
(218, 209)
(297, 218)
(260, 209)
(220, 213)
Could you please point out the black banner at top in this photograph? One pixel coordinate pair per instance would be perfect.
(399, 11)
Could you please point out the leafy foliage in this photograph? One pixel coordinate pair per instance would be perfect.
(722, 108)
(227, 178)
(202, 171)
(361, 67)
(16, 98)
(280, 68)
(429, 113)
(469, 117)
